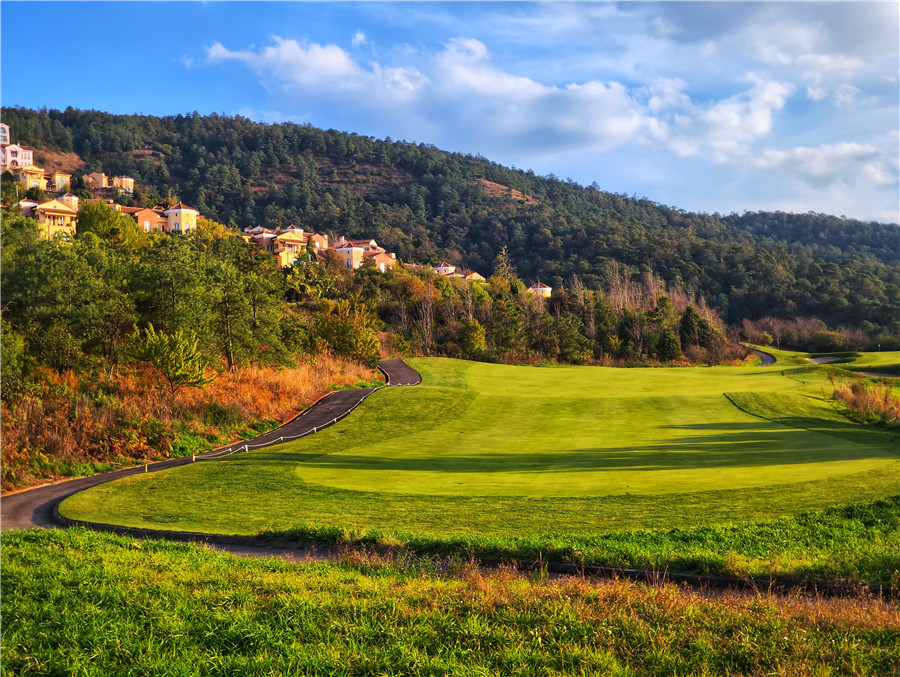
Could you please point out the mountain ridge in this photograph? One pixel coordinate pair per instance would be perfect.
(427, 205)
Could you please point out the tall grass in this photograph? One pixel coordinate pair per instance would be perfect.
(868, 402)
(82, 603)
(855, 543)
(70, 425)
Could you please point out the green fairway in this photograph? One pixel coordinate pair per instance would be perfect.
(491, 449)
(519, 431)
(887, 362)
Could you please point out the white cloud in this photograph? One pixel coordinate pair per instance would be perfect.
(845, 163)
(321, 69)
(359, 39)
(464, 96)
(668, 93)
(727, 128)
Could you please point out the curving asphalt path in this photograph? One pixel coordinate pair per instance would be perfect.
(765, 359)
(35, 507)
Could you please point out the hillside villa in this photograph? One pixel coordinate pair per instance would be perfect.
(289, 244)
(59, 216)
(540, 290)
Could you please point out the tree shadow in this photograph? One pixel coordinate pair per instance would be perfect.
(736, 445)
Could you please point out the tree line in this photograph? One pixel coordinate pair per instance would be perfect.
(114, 295)
(428, 205)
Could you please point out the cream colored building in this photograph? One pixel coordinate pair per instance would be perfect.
(180, 218)
(123, 183)
(540, 290)
(55, 218)
(96, 180)
(445, 269)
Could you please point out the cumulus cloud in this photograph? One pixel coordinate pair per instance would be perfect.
(727, 128)
(359, 39)
(846, 163)
(319, 69)
(466, 93)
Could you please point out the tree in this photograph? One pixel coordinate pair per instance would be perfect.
(472, 339)
(347, 328)
(11, 191)
(175, 356)
(108, 224)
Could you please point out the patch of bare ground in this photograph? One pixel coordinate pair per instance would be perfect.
(362, 179)
(492, 189)
(55, 161)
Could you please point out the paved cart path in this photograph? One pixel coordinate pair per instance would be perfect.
(34, 507)
(765, 359)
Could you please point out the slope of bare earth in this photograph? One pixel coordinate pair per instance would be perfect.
(499, 190)
(55, 161)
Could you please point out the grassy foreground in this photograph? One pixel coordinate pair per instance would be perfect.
(76, 602)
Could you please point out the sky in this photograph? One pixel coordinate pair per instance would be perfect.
(711, 107)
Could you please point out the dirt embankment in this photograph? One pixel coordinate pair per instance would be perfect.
(54, 161)
(499, 190)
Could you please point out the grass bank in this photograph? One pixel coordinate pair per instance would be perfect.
(856, 543)
(70, 426)
(76, 602)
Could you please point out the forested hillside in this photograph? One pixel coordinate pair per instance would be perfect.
(427, 204)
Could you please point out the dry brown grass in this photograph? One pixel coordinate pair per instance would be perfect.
(486, 590)
(66, 424)
(54, 161)
(871, 402)
(492, 189)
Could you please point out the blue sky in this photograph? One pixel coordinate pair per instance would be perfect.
(722, 106)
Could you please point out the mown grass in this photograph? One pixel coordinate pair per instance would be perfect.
(477, 457)
(885, 362)
(76, 602)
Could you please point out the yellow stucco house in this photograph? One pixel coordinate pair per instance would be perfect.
(31, 176)
(351, 256)
(180, 218)
(287, 247)
(55, 218)
(59, 181)
(73, 202)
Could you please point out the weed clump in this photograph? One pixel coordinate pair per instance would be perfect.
(875, 403)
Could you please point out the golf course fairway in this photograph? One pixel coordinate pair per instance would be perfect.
(485, 448)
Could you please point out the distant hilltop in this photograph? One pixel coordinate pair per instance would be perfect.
(424, 204)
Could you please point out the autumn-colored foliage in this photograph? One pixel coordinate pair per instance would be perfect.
(869, 402)
(70, 425)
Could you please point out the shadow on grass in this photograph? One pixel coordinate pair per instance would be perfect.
(746, 445)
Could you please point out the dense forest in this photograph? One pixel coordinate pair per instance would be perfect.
(427, 204)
